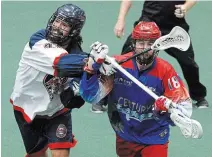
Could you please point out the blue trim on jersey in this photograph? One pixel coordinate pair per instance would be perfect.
(71, 65)
(89, 88)
(70, 61)
(39, 35)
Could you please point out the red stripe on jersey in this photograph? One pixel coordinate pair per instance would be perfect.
(60, 112)
(128, 64)
(17, 108)
(160, 69)
(174, 87)
(62, 144)
(56, 60)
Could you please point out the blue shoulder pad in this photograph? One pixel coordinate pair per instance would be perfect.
(39, 35)
(89, 88)
(70, 65)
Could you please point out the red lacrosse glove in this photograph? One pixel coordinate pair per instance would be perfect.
(161, 104)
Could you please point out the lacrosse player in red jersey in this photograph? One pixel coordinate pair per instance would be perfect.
(168, 14)
(141, 124)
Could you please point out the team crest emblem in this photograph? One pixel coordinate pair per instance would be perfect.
(61, 131)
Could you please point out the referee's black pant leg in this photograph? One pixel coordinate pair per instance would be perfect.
(190, 71)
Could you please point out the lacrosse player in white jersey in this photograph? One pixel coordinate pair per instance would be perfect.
(46, 86)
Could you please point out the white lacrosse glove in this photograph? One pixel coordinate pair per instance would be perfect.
(74, 85)
(97, 56)
(107, 68)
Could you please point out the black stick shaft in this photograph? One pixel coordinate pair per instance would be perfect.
(138, 54)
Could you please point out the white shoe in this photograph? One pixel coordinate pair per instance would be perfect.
(98, 108)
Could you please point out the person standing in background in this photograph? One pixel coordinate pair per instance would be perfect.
(167, 14)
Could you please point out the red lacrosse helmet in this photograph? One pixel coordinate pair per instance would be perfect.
(146, 31)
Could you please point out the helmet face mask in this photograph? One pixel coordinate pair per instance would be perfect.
(60, 30)
(144, 35)
(65, 24)
(146, 58)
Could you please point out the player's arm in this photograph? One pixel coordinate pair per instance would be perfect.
(94, 87)
(70, 65)
(174, 92)
(124, 8)
(179, 114)
(51, 59)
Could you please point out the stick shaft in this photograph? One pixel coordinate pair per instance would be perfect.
(115, 64)
(138, 54)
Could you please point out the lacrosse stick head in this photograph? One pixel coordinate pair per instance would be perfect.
(177, 38)
(190, 128)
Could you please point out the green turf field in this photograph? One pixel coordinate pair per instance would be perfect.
(93, 131)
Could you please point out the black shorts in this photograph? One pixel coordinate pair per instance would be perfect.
(46, 133)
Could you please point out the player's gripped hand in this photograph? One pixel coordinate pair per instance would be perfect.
(99, 52)
(107, 68)
(97, 56)
(162, 104)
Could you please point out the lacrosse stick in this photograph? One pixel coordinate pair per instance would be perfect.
(189, 127)
(177, 38)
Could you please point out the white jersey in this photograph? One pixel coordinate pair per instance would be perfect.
(36, 90)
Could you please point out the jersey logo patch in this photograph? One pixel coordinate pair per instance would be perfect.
(54, 85)
(134, 110)
(61, 131)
